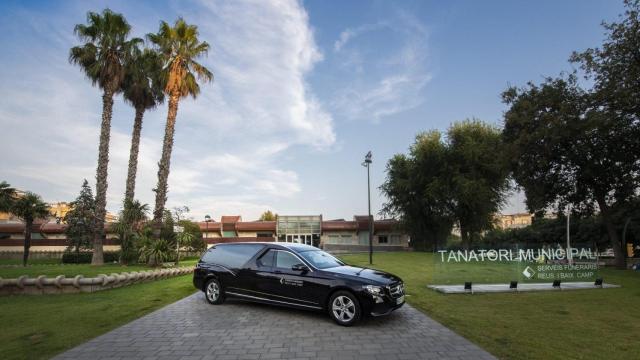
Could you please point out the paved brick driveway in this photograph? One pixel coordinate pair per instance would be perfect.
(193, 329)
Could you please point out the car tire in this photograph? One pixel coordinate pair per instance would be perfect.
(344, 308)
(213, 292)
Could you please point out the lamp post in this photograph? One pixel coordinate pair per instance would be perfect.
(569, 255)
(207, 220)
(366, 163)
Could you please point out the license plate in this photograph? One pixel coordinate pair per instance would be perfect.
(400, 300)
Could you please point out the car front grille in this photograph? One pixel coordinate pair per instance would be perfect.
(396, 290)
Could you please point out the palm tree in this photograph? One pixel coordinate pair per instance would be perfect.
(7, 196)
(143, 90)
(179, 47)
(29, 207)
(129, 222)
(102, 58)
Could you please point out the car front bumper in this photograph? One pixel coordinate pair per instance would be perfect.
(384, 310)
(377, 308)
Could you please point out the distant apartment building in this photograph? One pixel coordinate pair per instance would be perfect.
(513, 221)
(57, 210)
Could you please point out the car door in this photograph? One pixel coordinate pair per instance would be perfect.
(259, 279)
(263, 277)
(289, 284)
(237, 260)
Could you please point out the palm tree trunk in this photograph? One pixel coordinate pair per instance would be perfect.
(165, 162)
(133, 154)
(101, 176)
(27, 241)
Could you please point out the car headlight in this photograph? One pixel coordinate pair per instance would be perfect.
(373, 290)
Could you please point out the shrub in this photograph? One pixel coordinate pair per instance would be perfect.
(156, 252)
(191, 240)
(84, 257)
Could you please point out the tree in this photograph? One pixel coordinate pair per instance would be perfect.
(461, 179)
(7, 196)
(102, 58)
(81, 220)
(180, 212)
(179, 47)
(478, 176)
(29, 208)
(268, 216)
(615, 67)
(567, 149)
(143, 90)
(417, 191)
(580, 147)
(130, 221)
(586, 231)
(191, 237)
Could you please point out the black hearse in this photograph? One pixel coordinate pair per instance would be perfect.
(298, 276)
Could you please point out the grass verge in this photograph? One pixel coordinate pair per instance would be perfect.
(577, 324)
(39, 327)
(71, 270)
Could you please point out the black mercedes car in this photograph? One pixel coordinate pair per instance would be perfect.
(298, 276)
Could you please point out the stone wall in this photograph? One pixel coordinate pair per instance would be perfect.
(63, 285)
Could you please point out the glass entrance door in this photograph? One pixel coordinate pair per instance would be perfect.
(306, 239)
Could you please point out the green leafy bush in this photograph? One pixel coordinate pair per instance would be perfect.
(155, 252)
(84, 257)
(191, 239)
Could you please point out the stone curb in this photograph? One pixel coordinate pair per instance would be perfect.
(62, 285)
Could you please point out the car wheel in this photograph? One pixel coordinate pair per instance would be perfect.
(344, 308)
(213, 292)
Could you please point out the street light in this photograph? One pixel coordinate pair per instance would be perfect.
(366, 163)
(569, 255)
(207, 220)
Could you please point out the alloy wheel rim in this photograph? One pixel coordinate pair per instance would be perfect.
(213, 291)
(343, 308)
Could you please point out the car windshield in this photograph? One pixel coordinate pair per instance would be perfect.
(320, 259)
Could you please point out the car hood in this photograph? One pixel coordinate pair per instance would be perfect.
(377, 276)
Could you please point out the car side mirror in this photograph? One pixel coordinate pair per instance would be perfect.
(300, 267)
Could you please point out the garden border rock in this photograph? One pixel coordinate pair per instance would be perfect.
(61, 284)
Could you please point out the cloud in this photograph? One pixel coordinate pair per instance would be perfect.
(261, 52)
(350, 33)
(391, 95)
(229, 142)
(390, 84)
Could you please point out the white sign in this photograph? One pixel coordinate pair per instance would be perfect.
(513, 255)
(528, 272)
(178, 229)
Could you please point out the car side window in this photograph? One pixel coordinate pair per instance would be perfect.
(231, 255)
(285, 260)
(267, 259)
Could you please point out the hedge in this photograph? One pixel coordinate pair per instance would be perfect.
(85, 257)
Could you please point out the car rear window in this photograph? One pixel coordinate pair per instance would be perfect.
(231, 256)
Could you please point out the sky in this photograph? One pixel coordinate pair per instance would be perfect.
(302, 90)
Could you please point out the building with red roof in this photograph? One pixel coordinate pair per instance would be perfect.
(337, 235)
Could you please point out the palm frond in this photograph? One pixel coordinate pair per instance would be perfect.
(30, 207)
(105, 49)
(179, 48)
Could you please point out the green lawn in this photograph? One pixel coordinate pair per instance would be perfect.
(31, 261)
(38, 327)
(71, 270)
(541, 325)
